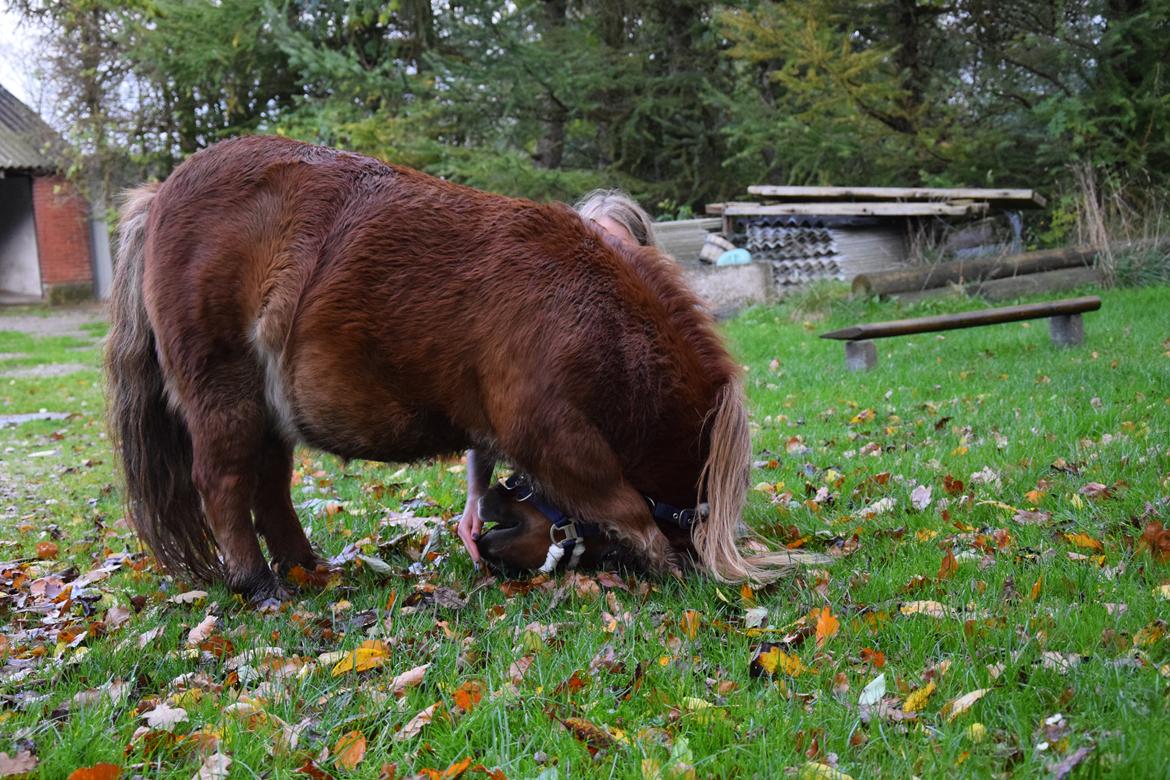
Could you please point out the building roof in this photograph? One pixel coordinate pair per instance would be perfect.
(26, 141)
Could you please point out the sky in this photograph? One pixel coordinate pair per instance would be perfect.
(17, 60)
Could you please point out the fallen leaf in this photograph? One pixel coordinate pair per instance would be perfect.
(202, 631)
(519, 668)
(1084, 540)
(769, 659)
(415, 724)
(827, 625)
(46, 551)
(949, 566)
(146, 637)
(96, 772)
(408, 679)
(814, 771)
(956, 707)
(594, 737)
(214, 767)
(917, 700)
(350, 749)
(189, 597)
(932, 609)
(1070, 762)
(1156, 538)
(468, 695)
(369, 656)
(873, 692)
(164, 717)
(690, 623)
(313, 771)
(755, 617)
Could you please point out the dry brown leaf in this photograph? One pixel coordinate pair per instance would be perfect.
(46, 551)
(214, 767)
(408, 679)
(415, 724)
(202, 631)
(189, 597)
(949, 566)
(350, 749)
(956, 707)
(164, 717)
(19, 763)
(519, 668)
(594, 737)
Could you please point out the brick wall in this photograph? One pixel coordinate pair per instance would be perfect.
(62, 232)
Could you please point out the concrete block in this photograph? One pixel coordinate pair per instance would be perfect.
(1067, 330)
(860, 355)
(728, 288)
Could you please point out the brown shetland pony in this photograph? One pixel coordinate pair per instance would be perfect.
(271, 292)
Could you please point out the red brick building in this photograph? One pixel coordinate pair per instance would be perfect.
(46, 235)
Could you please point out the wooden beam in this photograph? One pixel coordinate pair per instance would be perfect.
(968, 319)
(976, 269)
(924, 209)
(1025, 199)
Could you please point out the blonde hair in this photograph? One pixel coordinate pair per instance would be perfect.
(621, 208)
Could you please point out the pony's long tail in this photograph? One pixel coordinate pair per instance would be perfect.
(725, 479)
(150, 439)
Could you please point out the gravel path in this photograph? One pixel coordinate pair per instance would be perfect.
(58, 321)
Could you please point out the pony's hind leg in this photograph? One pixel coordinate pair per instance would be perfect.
(276, 520)
(228, 439)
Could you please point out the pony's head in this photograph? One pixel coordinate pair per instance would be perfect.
(525, 529)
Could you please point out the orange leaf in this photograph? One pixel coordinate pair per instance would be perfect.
(46, 550)
(949, 565)
(350, 749)
(96, 772)
(875, 658)
(468, 695)
(1084, 540)
(690, 623)
(456, 769)
(827, 625)
(1035, 594)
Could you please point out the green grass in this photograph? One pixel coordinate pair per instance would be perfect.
(940, 405)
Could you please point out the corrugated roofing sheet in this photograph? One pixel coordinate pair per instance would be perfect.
(26, 142)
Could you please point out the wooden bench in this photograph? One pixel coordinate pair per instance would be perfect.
(1064, 321)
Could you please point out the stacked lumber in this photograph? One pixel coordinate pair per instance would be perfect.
(995, 278)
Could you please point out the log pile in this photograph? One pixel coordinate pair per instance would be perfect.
(994, 278)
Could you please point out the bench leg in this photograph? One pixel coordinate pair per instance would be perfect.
(860, 355)
(1067, 330)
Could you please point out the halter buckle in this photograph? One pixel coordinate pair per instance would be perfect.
(569, 530)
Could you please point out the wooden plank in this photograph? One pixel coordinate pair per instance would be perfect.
(934, 275)
(969, 319)
(924, 209)
(1019, 198)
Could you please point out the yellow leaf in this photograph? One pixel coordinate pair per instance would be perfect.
(1084, 540)
(956, 707)
(932, 609)
(814, 771)
(350, 749)
(1150, 635)
(362, 659)
(976, 732)
(917, 700)
(1162, 592)
(926, 534)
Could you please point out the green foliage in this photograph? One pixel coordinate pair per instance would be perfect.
(681, 101)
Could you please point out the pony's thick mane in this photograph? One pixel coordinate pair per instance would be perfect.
(687, 314)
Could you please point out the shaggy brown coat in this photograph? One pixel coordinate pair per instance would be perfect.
(271, 292)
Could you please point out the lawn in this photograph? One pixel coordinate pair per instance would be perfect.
(997, 604)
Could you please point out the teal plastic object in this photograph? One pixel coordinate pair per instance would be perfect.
(734, 257)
